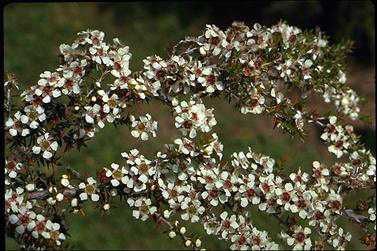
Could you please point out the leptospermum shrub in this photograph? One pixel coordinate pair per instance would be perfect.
(190, 181)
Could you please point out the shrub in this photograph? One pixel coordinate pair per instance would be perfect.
(189, 181)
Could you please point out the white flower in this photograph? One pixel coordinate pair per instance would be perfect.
(16, 125)
(35, 115)
(117, 174)
(334, 201)
(299, 179)
(300, 240)
(239, 159)
(143, 127)
(89, 189)
(190, 117)
(46, 145)
(193, 209)
(340, 240)
(121, 59)
(13, 219)
(144, 208)
(254, 104)
(111, 104)
(54, 233)
(12, 168)
(227, 225)
(172, 234)
(186, 146)
(40, 226)
(188, 243)
(47, 86)
(91, 113)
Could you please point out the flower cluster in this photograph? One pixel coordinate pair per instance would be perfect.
(189, 181)
(192, 116)
(24, 219)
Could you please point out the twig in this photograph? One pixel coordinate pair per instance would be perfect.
(40, 195)
(356, 217)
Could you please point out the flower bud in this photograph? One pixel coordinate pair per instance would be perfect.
(198, 243)
(30, 187)
(51, 201)
(64, 181)
(106, 206)
(172, 234)
(175, 102)
(59, 197)
(166, 214)
(114, 192)
(316, 164)
(183, 230)
(188, 243)
(74, 202)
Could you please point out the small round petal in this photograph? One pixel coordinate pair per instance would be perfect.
(47, 155)
(83, 196)
(135, 134)
(13, 219)
(74, 202)
(114, 182)
(95, 197)
(54, 145)
(36, 149)
(20, 229)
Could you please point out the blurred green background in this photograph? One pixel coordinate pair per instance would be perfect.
(33, 32)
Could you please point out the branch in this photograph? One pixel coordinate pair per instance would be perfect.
(41, 195)
(356, 217)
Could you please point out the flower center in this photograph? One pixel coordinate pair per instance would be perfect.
(24, 219)
(33, 115)
(11, 165)
(143, 168)
(286, 196)
(300, 237)
(40, 227)
(45, 144)
(54, 235)
(250, 192)
(117, 174)
(192, 210)
(89, 189)
(187, 124)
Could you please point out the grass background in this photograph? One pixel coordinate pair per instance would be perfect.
(33, 32)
